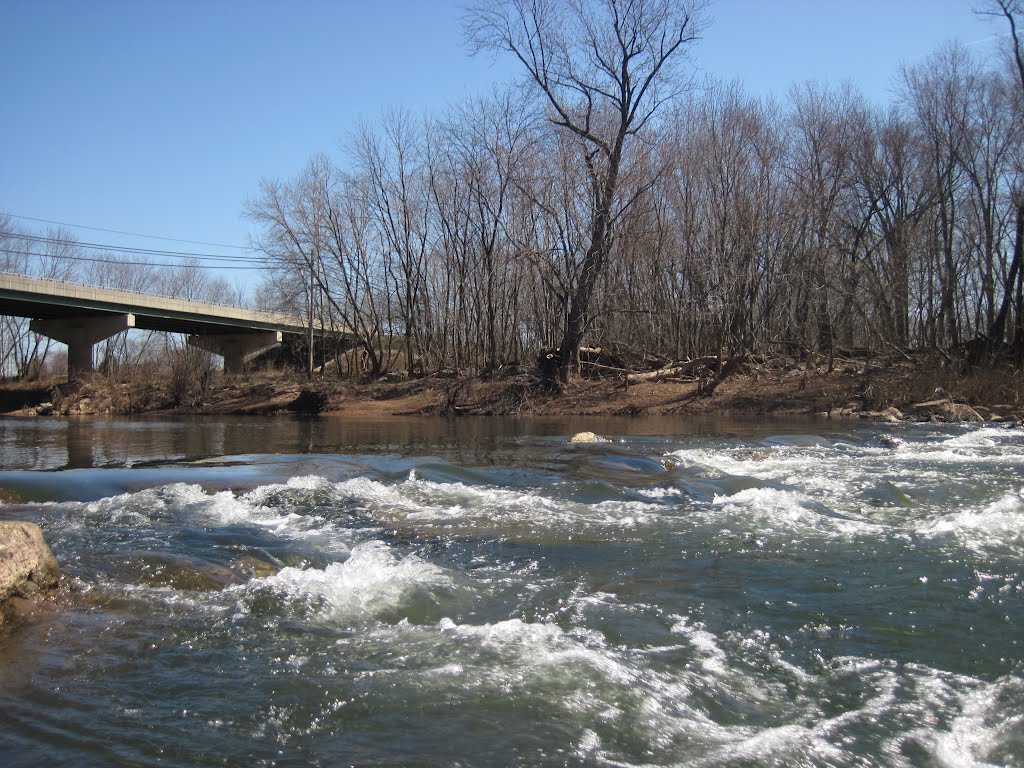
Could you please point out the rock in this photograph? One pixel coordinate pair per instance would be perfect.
(156, 569)
(588, 437)
(960, 412)
(8, 496)
(891, 441)
(947, 410)
(27, 566)
(309, 401)
(892, 414)
(249, 567)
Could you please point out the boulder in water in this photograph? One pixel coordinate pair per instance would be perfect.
(27, 566)
(157, 569)
(588, 437)
(249, 567)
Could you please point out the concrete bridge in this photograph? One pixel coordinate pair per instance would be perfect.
(80, 316)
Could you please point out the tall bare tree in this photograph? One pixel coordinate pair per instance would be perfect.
(603, 68)
(392, 164)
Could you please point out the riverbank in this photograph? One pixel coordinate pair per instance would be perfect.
(895, 389)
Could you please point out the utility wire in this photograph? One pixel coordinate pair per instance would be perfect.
(132, 234)
(136, 251)
(98, 260)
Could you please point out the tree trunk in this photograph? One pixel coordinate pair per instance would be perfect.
(997, 331)
(593, 263)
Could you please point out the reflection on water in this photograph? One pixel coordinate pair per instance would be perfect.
(49, 444)
(136, 453)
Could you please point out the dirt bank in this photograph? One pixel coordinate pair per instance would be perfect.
(899, 388)
(894, 391)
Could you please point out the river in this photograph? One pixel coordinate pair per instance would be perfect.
(481, 592)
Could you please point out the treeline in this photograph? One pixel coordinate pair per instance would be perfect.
(56, 254)
(821, 223)
(607, 201)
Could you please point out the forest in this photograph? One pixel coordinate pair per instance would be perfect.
(616, 198)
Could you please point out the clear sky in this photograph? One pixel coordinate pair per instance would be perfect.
(161, 118)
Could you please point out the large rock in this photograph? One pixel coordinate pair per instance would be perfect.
(960, 412)
(27, 566)
(892, 414)
(946, 410)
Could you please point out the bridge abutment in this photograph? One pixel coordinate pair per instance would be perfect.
(236, 348)
(80, 334)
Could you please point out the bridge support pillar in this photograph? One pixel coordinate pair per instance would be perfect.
(236, 348)
(80, 333)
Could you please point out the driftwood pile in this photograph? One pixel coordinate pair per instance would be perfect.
(638, 368)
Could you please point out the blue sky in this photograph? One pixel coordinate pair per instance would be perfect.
(162, 117)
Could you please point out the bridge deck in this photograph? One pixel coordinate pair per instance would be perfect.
(49, 299)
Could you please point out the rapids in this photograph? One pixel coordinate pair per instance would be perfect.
(275, 592)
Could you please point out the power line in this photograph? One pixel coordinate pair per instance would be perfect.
(136, 251)
(98, 260)
(132, 234)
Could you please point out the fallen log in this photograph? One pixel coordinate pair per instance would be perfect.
(600, 356)
(600, 367)
(671, 371)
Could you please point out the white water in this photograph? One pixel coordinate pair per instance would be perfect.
(823, 600)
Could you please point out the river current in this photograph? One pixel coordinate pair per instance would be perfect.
(261, 592)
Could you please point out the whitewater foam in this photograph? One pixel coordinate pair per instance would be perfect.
(372, 583)
(998, 526)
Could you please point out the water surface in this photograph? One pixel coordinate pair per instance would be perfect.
(480, 592)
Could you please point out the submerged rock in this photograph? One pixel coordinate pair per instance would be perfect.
(890, 441)
(249, 567)
(9, 496)
(27, 566)
(156, 569)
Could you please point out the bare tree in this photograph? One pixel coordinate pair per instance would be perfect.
(477, 158)
(394, 176)
(889, 196)
(936, 91)
(1013, 12)
(294, 218)
(603, 69)
(52, 255)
